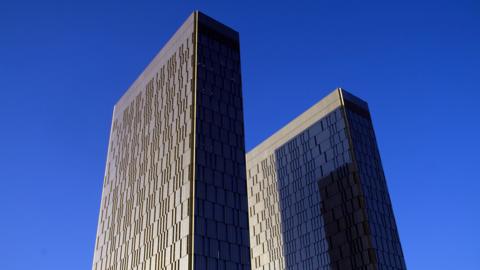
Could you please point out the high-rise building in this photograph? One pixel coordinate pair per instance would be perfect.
(174, 194)
(317, 193)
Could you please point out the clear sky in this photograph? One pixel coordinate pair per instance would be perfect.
(63, 65)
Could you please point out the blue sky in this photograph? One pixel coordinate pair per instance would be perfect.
(63, 65)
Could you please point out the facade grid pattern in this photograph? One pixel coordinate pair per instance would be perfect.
(174, 193)
(221, 218)
(317, 193)
(180, 193)
(144, 216)
(385, 239)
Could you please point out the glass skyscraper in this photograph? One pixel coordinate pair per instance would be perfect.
(174, 193)
(180, 193)
(317, 193)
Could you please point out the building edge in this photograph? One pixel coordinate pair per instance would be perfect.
(103, 184)
(191, 257)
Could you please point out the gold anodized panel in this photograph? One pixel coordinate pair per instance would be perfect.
(145, 214)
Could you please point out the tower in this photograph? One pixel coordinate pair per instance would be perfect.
(317, 193)
(174, 193)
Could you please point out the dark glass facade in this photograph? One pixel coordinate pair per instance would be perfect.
(221, 218)
(317, 193)
(174, 194)
(379, 213)
(180, 192)
(300, 163)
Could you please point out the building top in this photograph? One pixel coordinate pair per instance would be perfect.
(299, 124)
(185, 31)
(158, 61)
(217, 26)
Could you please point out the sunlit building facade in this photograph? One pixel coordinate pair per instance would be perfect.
(317, 193)
(180, 193)
(174, 193)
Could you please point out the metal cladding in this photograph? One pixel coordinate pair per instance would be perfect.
(317, 193)
(174, 194)
(180, 193)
